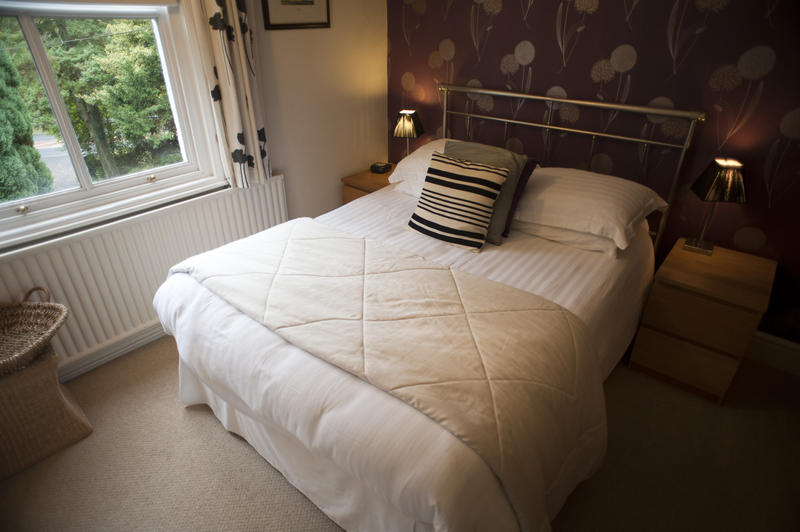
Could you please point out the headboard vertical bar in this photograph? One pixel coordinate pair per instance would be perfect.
(643, 169)
(673, 190)
(547, 134)
(444, 111)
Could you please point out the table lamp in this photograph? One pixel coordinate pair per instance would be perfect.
(721, 181)
(408, 126)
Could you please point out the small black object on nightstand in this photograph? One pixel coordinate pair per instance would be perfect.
(380, 168)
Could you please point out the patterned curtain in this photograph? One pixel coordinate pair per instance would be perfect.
(226, 43)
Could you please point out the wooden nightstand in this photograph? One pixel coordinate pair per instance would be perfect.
(701, 315)
(360, 184)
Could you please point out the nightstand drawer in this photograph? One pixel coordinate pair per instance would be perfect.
(685, 362)
(349, 193)
(700, 319)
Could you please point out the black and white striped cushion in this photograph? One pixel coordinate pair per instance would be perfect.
(457, 201)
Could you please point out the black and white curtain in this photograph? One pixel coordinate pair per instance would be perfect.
(226, 42)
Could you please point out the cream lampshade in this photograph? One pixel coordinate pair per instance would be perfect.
(408, 126)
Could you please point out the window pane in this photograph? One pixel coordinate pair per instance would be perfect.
(33, 159)
(109, 74)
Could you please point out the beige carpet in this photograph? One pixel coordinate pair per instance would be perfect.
(675, 461)
(152, 464)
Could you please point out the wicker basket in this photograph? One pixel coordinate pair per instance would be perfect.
(26, 328)
(36, 417)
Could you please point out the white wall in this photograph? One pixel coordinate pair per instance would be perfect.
(323, 92)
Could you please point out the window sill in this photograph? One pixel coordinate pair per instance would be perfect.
(50, 223)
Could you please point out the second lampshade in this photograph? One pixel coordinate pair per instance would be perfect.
(722, 180)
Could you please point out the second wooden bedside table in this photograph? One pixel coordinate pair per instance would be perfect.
(701, 315)
(360, 184)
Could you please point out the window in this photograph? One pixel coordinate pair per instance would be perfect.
(104, 112)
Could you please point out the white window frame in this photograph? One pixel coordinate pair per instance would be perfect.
(37, 218)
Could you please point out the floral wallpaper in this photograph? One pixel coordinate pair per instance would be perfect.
(736, 60)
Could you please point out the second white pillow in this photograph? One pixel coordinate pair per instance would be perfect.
(575, 239)
(587, 202)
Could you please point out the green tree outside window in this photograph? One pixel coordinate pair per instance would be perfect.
(109, 75)
(22, 173)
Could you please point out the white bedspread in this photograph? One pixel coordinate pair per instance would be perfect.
(368, 460)
(365, 458)
(606, 293)
(508, 372)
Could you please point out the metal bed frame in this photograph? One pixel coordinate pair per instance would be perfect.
(692, 116)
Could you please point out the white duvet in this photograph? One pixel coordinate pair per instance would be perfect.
(491, 363)
(370, 461)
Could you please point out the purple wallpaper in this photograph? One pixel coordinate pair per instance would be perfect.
(736, 60)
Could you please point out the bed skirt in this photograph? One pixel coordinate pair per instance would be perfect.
(335, 491)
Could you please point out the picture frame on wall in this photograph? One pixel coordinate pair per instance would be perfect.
(296, 14)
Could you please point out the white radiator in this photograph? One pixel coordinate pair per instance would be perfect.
(107, 276)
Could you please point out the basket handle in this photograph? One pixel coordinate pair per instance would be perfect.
(37, 289)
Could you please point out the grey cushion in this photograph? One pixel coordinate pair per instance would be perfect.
(457, 200)
(500, 158)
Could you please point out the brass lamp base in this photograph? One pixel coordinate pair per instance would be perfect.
(699, 246)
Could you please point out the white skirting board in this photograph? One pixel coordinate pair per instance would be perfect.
(99, 355)
(107, 276)
(775, 352)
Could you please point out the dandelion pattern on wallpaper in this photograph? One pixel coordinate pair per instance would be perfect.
(770, 7)
(527, 9)
(560, 114)
(412, 92)
(673, 129)
(774, 178)
(567, 35)
(742, 82)
(683, 30)
(727, 81)
(481, 22)
(478, 104)
(518, 63)
(612, 73)
(716, 56)
(629, 6)
(446, 5)
(605, 71)
(441, 62)
(413, 10)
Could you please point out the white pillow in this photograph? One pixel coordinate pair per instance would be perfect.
(410, 172)
(575, 239)
(587, 202)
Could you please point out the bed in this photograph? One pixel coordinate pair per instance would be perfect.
(370, 454)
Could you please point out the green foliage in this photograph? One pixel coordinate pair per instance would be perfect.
(22, 173)
(110, 79)
(111, 67)
(30, 88)
(137, 98)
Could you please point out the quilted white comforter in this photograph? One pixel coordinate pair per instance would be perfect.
(508, 372)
